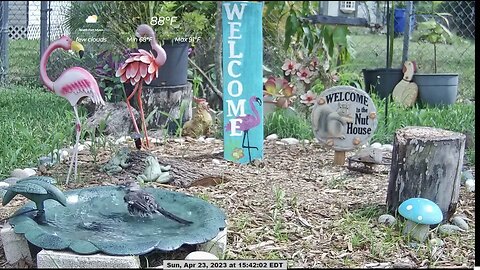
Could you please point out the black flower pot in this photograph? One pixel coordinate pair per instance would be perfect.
(174, 71)
(382, 80)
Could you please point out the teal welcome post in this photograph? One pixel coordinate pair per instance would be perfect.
(242, 81)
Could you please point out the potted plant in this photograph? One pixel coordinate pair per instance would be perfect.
(435, 88)
(383, 80)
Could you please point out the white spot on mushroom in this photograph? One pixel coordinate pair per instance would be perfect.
(409, 207)
(419, 217)
(428, 208)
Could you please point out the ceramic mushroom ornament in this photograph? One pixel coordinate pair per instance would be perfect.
(419, 213)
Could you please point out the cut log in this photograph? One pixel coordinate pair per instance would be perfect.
(426, 163)
(165, 102)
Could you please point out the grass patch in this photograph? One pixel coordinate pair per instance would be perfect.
(459, 117)
(32, 123)
(24, 62)
(357, 227)
(285, 125)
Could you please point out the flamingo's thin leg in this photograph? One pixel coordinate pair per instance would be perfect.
(75, 149)
(142, 115)
(130, 107)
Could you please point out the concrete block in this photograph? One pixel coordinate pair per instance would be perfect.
(65, 259)
(217, 245)
(15, 246)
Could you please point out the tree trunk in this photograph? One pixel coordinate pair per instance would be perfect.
(167, 100)
(426, 163)
(218, 47)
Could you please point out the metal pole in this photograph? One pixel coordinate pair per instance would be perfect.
(4, 42)
(43, 27)
(406, 32)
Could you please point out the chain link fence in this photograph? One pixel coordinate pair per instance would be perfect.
(369, 44)
(21, 39)
(27, 27)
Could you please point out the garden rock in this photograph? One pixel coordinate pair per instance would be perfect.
(470, 184)
(209, 140)
(272, 137)
(116, 118)
(448, 229)
(19, 173)
(47, 160)
(436, 242)
(460, 222)
(387, 147)
(376, 145)
(387, 219)
(201, 255)
(290, 140)
(465, 176)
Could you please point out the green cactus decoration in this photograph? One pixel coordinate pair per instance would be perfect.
(37, 189)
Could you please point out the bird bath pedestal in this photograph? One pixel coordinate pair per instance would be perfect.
(96, 222)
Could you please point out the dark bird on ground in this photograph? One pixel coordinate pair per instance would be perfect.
(143, 204)
(37, 189)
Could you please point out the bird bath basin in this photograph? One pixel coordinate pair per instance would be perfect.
(96, 220)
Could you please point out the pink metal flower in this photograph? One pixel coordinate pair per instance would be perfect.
(308, 98)
(290, 67)
(304, 75)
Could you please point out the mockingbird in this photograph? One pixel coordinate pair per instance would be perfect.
(141, 203)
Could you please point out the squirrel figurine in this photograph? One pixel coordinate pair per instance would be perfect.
(201, 122)
(328, 123)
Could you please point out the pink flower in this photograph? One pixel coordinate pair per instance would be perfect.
(290, 67)
(304, 75)
(308, 98)
(313, 64)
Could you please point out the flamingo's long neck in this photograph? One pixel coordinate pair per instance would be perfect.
(161, 55)
(43, 66)
(254, 110)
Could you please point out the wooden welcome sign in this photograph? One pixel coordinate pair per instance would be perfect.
(344, 118)
(242, 81)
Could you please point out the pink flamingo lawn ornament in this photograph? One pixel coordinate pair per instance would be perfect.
(73, 84)
(142, 67)
(248, 122)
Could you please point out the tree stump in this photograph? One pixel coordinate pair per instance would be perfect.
(165, 102)
(426, 163)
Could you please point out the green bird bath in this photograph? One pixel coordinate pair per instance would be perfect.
(96, 220)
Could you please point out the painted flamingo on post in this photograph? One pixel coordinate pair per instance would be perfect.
(248, 122)
(142, 67)
(73, 84)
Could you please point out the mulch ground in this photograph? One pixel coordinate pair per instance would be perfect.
(295, 205)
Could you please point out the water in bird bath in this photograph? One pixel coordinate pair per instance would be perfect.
(97, 220)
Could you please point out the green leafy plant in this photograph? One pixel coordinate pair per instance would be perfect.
(329, 43)
(434, 33)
